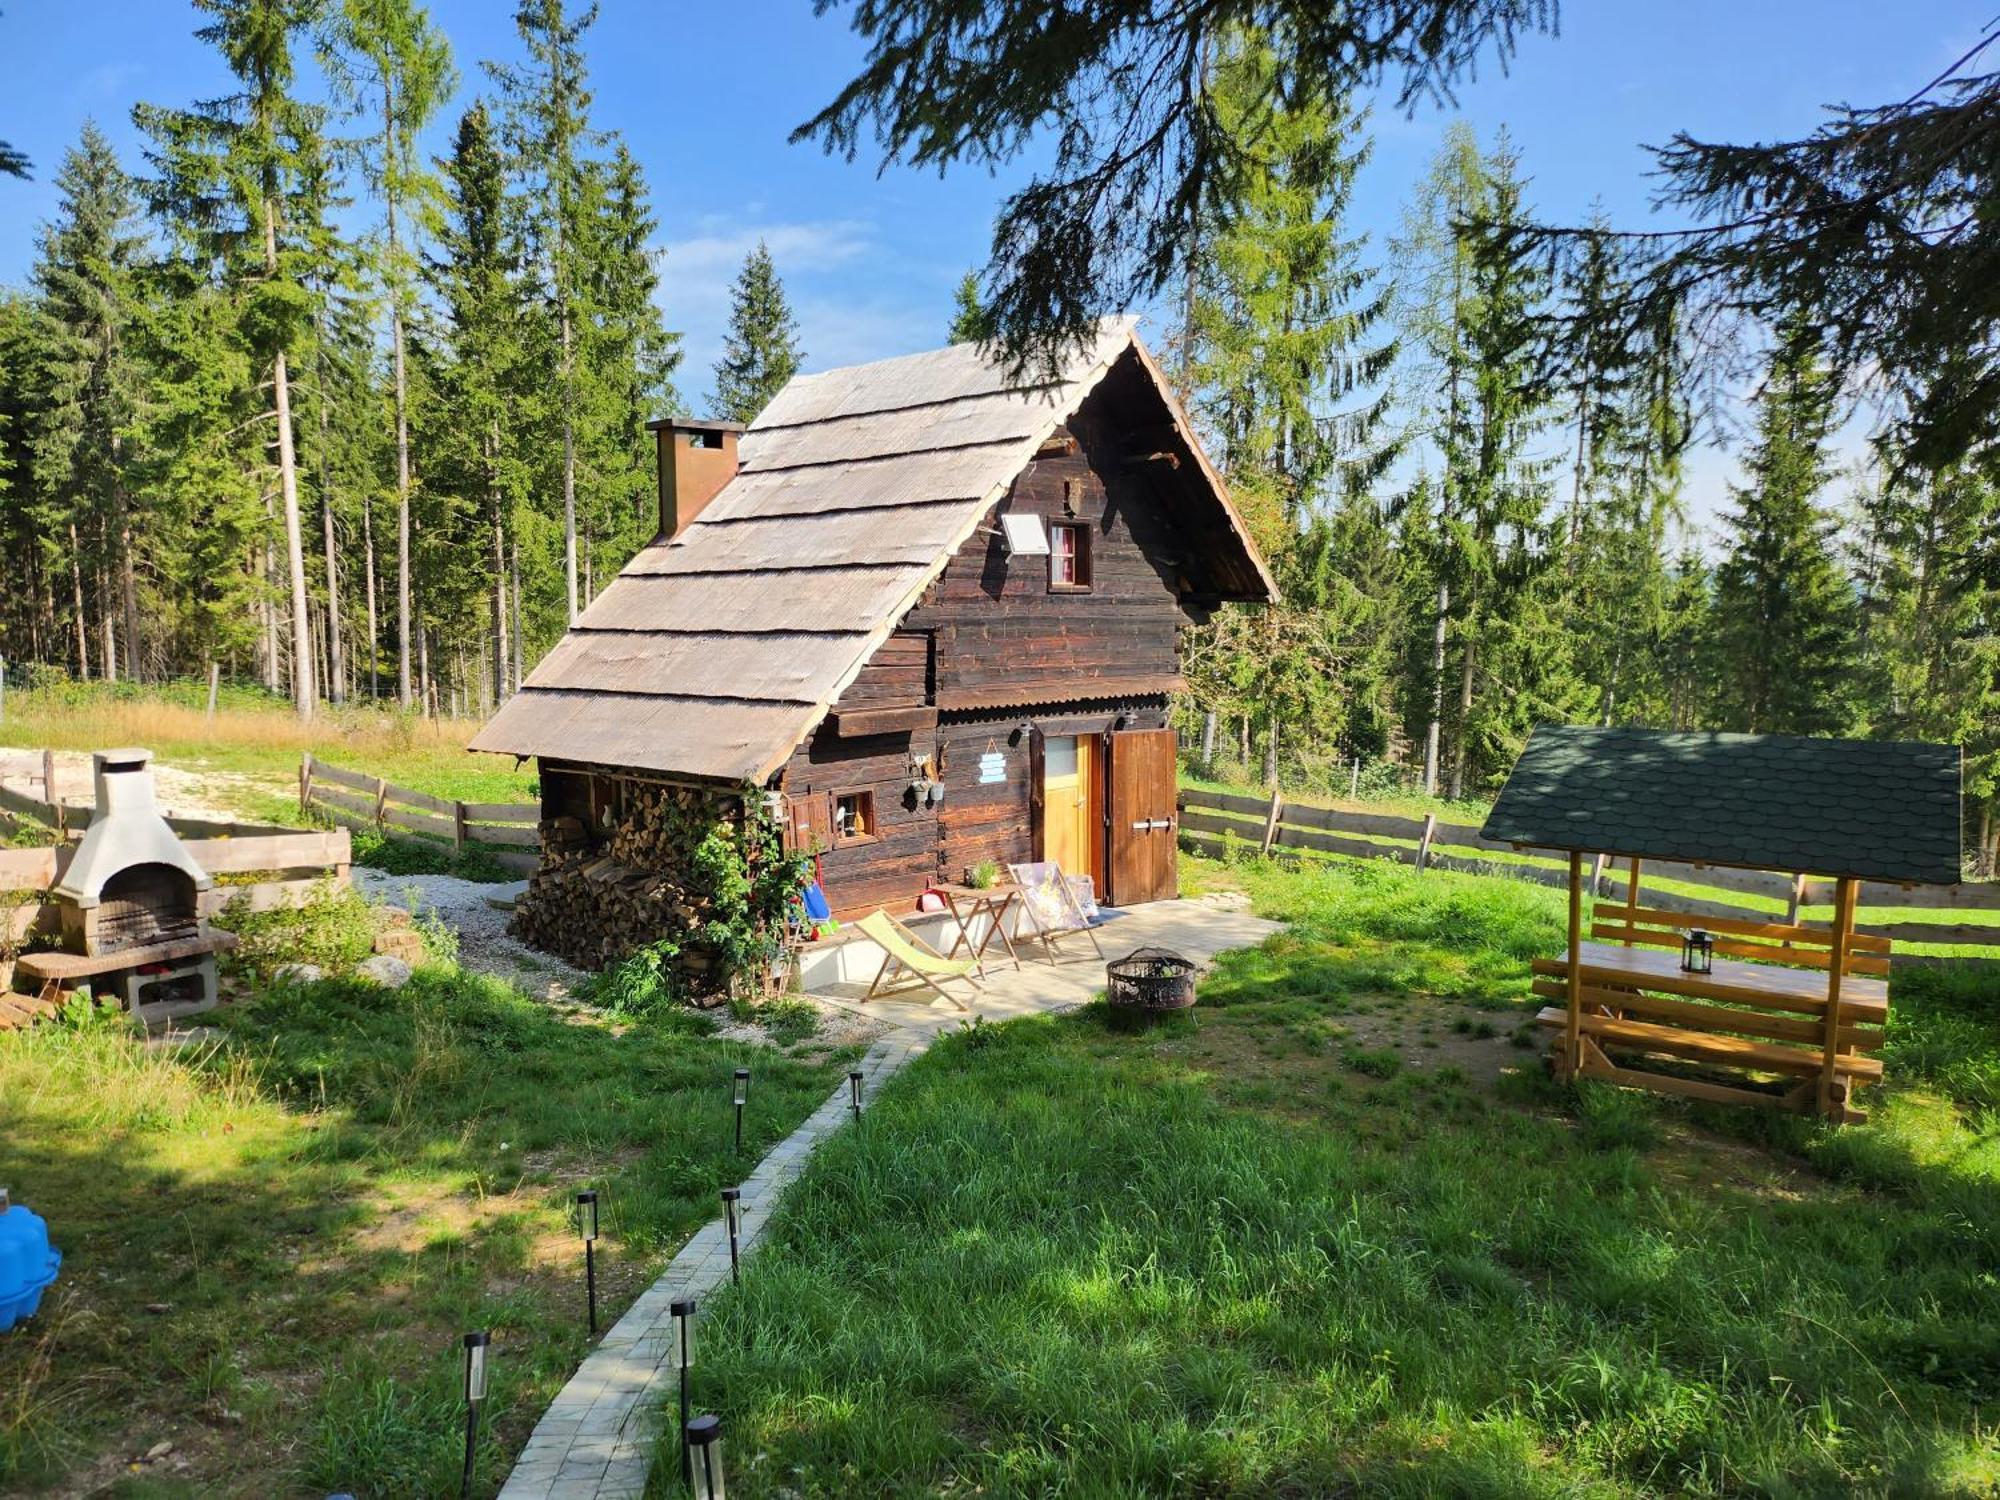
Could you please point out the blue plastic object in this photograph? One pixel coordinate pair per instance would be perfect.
(28, 1262)
(815, 900)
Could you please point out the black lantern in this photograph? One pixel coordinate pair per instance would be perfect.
(475, 1393)
(703, 1436)
(1698, 951)
(683, 1312)
(731, 1214)
(742, 1098)
(854, 1092)
(586, 1223)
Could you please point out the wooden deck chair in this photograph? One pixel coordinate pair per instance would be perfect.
(903, 949)
(1050, 908)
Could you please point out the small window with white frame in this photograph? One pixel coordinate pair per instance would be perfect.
(1069, 556)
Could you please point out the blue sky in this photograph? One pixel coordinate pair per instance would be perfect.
(706, 95)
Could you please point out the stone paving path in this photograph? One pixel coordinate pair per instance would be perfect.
(597, 1439)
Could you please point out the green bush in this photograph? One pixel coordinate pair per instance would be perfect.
(334, 929)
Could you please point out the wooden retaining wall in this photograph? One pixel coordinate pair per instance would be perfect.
(510, 831)
(1213, 822)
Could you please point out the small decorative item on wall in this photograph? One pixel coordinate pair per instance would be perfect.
(992, 765)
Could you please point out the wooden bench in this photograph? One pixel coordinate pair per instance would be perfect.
(1762, 1010)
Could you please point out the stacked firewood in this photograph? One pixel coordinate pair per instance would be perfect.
(602, 893)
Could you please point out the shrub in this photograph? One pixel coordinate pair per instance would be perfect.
(334, 929)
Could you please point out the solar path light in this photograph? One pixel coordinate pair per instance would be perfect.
(703, 1436)
(475, 1395)
(742, 1098)
(733, 1214)
(683, 1312)
(586, 1223)
(854, 1093)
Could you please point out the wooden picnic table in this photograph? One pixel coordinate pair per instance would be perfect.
(966, 904)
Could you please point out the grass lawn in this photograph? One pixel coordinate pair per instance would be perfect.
(272, 1243)
(255, 741)
(1338, 1233)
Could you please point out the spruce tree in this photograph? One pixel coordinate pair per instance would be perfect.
(547, 128)
(761, 351)
(86, 275)
(1784, 617)
(473, 278)
(970, 321)
(1287, 363)
(392, 67)
(227, 170)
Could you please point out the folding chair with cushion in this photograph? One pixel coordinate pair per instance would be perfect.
(903, 949)
(1051, 908)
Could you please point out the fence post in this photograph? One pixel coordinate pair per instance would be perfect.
(458, 828)
(49, 791)
(214, 685)
(1271, 820)
(1597, 877)
(1424, 844)
(305, 781)
(381, 806)
(1354, 781)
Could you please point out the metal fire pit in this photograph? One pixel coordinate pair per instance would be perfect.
(1150, 980)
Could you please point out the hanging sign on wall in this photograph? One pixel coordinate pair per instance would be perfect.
(992, 768)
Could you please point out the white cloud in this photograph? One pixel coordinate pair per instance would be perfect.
(719, 249)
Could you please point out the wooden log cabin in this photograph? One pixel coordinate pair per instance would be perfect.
(1754, 1008)
(935, 607)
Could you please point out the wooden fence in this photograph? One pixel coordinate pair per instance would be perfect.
(27, 777)
(509, 831)
(1213, 822)
(293, 863)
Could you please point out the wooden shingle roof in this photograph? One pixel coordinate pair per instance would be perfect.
(1875, 809)
(714, 654)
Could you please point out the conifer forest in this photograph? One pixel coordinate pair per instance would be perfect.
(359, 420)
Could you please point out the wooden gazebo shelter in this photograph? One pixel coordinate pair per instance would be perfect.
(1786, 1001)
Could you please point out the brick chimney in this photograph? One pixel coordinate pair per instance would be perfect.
(696, 460)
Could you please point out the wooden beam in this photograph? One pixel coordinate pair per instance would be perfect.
(853, 723)
(1632, 896)
(1271, 820)
(1573, 1032)
(1832, 1093)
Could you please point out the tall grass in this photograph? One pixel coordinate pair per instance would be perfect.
(1214, 1260)
(254, 734)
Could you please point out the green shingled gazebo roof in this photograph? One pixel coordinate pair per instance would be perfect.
(1874, 809)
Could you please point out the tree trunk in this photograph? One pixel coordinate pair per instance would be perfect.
(499, 596)
(128, 572)
(374, 625)
(1464, 713)
(1434, 732)
(569, 468)
(107, 630)
(1207, 740)
(402, 411)
(336, 678)
(520, 646)
(268, 571)
(303, 696)
(76, 588)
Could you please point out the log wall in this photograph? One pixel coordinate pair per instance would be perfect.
(993, 648)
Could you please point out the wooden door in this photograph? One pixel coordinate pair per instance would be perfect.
(1069, 796)
(1143, 860)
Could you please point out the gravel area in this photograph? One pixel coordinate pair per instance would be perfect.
(466, 906)
(485, 947)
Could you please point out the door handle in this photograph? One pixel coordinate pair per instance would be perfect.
(1147, 825)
